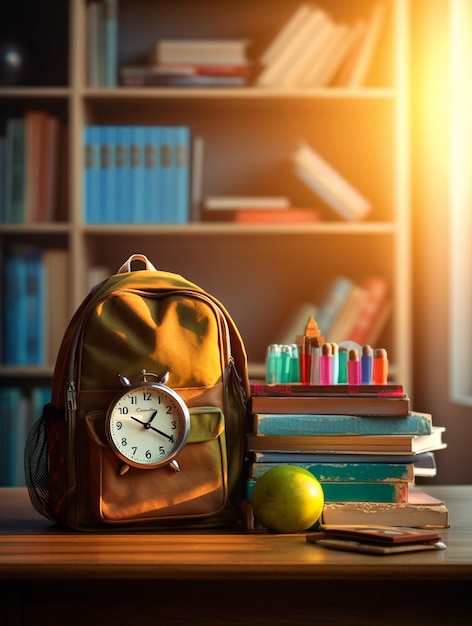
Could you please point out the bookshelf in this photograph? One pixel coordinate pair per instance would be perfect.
(258, 271)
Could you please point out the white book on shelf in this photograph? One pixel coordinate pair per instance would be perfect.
(368, 47)
(345, 71)
(282, 63)
(323, 27)
(339, 52)
(329, 184)
(221, 203)
(284, 36)
(314, 76)
(203, 51)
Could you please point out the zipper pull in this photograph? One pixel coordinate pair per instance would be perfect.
(71, 397)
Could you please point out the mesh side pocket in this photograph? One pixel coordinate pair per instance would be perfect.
(36, 468)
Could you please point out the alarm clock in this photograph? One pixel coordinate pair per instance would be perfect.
(148, 423)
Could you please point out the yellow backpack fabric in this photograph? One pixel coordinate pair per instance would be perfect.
(153, 321)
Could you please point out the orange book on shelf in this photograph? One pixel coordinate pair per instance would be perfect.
(267, 216)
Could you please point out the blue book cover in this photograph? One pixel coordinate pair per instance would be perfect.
(347, 472)
(35, 330)
(91, 183)
(332, 303)
(182, 164)
(15, 170)
(301, 425)
(167, 174)
(123, 174)
(14, 315)
(137, 175)
(356, 491)
(151, 167)
(111, 41)
(108, 210)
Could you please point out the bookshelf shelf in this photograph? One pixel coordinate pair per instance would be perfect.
(250, 134)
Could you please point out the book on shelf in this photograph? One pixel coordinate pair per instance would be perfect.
(347, 315)
(335, 444)
(312, 49)
(275, 216)
(356, 491)
(329, 184)
(372, 312)
(176, 75)
(420, 511)
(56, 266)
(137, 174)
(241, 203)
(200, 51)
(14, 170)
(102, 41)
(356, 406)
(346, 472)
(359, 63)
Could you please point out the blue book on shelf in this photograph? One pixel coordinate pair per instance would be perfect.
(2, 178)
(123, 174)
(137, 175)
(347, 472)
(168, 174)
(414, 423)
(15, 170)
(35, 307)
(332, 303)
(108, 174)
(151, 168)
(182, 182)
(111, 41)
(14, 314)
(92, 174)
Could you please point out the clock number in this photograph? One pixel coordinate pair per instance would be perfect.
(169, 410)
(119, 425)
(123, 410)
(173, 425)
(124, 442)
(134, 449)
(147, 396)
(162, 450)
(148, 454)
(133, 400)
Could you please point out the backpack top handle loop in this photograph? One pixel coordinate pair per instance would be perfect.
(126, 267)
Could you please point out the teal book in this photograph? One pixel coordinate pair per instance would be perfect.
(151, 174)
(110, 18)
(333, 301)
(34, 326)
(92, 174)
(414, 423)
(14, 171)
(123, 174)
(108, 212)
(182, 176)
(137, 175)
(347, 472)
(356, 492)
(167, 174)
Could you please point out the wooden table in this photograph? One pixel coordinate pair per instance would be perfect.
(50, 576)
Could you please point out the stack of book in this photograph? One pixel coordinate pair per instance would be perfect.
(363, 443)
(313, 50)
(191, 63)
(137, 174)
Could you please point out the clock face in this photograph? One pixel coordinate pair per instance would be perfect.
(147, 425)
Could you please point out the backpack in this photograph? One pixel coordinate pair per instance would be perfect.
(144, 327)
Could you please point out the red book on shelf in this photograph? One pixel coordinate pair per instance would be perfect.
(377, 289)
(276, 216)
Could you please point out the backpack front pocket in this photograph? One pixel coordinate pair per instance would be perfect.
(128, 494)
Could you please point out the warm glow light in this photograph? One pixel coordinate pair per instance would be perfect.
(461, 202)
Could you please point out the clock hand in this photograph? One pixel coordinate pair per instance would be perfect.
(152, 417)
(147, 425)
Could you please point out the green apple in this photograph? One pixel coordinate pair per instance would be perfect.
(287, 499)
